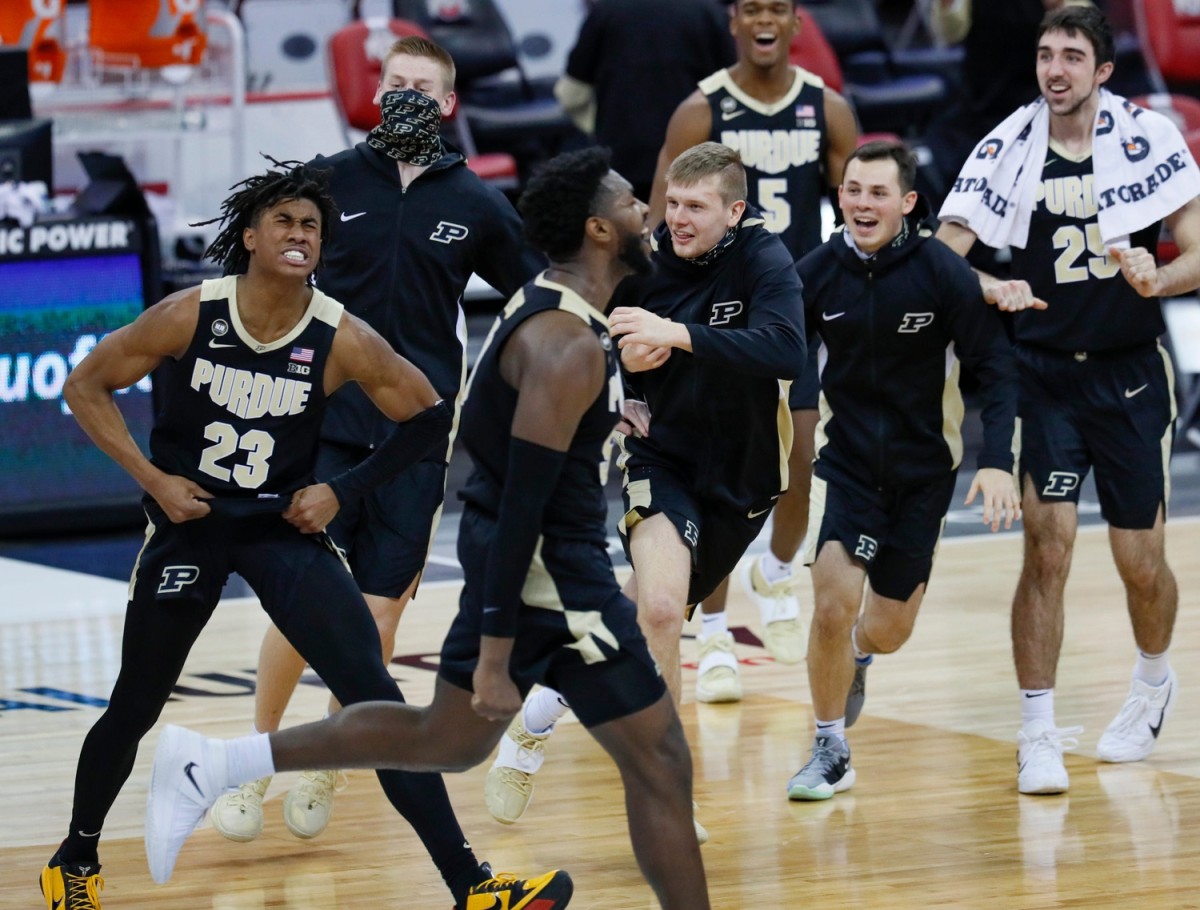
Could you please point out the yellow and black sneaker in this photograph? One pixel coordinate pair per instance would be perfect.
(71, 886)
(551, 891)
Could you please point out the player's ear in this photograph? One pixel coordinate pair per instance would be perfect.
(598, 229)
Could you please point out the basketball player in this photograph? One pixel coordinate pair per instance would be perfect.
(712, 339)
(414, 222)
(248, 362)
(1095, 386)
(896, 311)
(794, 134)
(540, 602)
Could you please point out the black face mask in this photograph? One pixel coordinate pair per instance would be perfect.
(411, 128)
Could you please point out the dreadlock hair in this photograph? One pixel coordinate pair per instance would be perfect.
(253, 196)
(560, 197)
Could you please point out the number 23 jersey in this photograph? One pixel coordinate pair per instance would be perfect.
(1091, 306)
(242, 417)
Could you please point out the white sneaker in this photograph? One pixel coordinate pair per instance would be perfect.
(783, 634)
(1040, 767)
(509, 786)
(717, 677)
(308, 806)
(701, 831)
(238, 815)
(188, 776)
(1133, 732)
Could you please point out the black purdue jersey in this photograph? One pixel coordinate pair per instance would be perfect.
(239, 417)
(1091, 306)
(578, 509)
(782, 145)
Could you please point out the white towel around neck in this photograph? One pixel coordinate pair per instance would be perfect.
(1142, 168)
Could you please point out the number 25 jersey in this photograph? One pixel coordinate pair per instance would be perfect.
(242, 417)
(1091, 305)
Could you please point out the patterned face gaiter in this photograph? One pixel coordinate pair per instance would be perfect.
(722, 245)
(410, 131)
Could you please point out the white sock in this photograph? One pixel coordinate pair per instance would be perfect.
(1037, 704)
(1152, 669)
(833, 728)
(713, 624)
(543, 709)
(773, 568)
(248, 758)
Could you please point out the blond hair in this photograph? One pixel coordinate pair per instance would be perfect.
(416, 46)
(706, 160)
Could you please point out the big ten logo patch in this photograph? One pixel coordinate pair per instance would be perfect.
(448, 231)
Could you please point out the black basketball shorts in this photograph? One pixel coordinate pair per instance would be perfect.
(576, 632)
(386, 533)
(716, 533)
(1111, 411)
(894, 533)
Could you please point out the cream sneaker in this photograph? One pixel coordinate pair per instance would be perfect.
(238, 815)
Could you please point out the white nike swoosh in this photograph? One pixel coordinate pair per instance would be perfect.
(491, 609)
(346, 217)
(759, 512)
(729, 115)
(216, 344)
(1129, 393)
(830, 316)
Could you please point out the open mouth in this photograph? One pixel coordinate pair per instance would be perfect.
(765, 40)
(299, 257)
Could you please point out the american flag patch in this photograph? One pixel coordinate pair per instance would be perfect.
(805, 110)
(302, 355)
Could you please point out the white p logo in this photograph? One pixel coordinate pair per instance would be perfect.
(175, 577)
(1060, 483)
(723, 312)
(914, 322)
(867, 546)
(447, 231)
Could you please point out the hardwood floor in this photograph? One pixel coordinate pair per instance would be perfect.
(933, 820)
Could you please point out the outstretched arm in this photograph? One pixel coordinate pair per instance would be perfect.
(117, 362)
(1007, 296)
